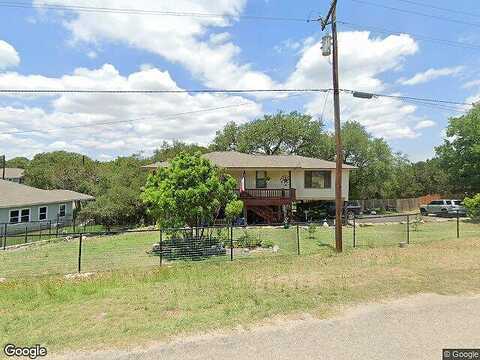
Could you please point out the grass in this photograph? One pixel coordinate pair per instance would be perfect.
(135, 306)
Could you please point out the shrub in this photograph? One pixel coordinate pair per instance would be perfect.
(247, 240)
(267, 243)
(473, 207)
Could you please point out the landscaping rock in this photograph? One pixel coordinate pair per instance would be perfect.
(78, 276)
(2, 280)
(276, 248)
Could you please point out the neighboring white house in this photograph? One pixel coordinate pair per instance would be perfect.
(23, 204)
(273, 182)
(12, 174)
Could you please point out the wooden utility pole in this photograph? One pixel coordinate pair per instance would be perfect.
(332, 18)
(4, 163)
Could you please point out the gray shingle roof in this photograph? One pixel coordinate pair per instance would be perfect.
(17, 195)
(12, 173)
(236, 160)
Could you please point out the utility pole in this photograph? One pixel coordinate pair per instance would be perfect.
(4, 164)
(332, 19)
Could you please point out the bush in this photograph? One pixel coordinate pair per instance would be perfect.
(247, 240)
(267, 243)
(473, 207)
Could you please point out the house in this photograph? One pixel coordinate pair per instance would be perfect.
(276, 185)
(12, 174)
(23, 204)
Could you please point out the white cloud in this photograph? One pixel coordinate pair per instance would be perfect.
(92, 54)
(182, 40)
(431, 74)
(472, 84)
(363, 59)
(143, 121)
(424, 124)
(8, 55)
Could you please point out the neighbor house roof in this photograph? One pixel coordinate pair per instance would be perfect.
(236, 160)
(17, 195)
(12, 173)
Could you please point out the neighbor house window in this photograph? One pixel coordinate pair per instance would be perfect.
(62, 210)
(14, 216)
(17, 216)
(261, 179)
(42, 213)
(318, 179)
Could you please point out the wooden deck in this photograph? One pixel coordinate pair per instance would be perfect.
(264, 197)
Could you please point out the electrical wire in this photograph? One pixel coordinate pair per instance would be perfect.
(131, 11)
(418, 13)
(152, 116)
(416, 35)
(430, 6)
(219, 91)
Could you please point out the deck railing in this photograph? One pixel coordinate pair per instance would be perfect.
(267, 194)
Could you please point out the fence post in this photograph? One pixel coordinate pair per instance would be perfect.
(354, 231)
(408, 229)
(458, 225)
(161, 246)
(80, 254)
(5, 237)
(26, 233)
(56, 227)
(50, 228)
(74, 222)
(231, 242)
(298, 240)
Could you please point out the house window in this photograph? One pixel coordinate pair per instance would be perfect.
(318, 179)
(261, 180)
(42, 213)
(62, 210)
(25, 215)
(14, 216)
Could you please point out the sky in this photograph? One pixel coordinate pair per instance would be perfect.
(385, 49)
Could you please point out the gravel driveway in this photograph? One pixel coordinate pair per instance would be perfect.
(417, 328)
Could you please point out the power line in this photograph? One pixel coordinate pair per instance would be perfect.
(218, 91)
(418, 13)
(191, 91)
(152, 116)
(168, 117)
(430, 6)
(131, 11)
(419, 36)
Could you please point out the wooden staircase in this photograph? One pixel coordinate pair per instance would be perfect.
(268, 214)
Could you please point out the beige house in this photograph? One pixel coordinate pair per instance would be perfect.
(12, 174)
(274, 184)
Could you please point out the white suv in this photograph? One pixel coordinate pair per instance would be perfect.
(444, 207)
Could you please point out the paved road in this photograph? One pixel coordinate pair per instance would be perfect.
(413, 328)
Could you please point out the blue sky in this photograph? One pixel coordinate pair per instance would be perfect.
(53, 49)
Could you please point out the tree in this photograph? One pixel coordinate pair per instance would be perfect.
(18, 162)
(292, 133)
(189, 192)
(431, 178)
(62, 170)
(459, 155)
(170, 150)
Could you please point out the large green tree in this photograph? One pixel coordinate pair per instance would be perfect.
(459, 155)
(191, 191)
(169, 150)
(18, 162)
(281, 133)
(62, 170)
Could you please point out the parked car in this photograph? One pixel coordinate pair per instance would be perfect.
(350, 208)
(444, 207)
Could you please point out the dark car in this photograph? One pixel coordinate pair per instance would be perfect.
(350, 208)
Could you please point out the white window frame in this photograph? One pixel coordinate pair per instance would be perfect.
(65, 212)
(20, 216)
(39, 213)
(10, 216)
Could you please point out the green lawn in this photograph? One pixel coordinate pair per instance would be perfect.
(129, 250)
(132, 307)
